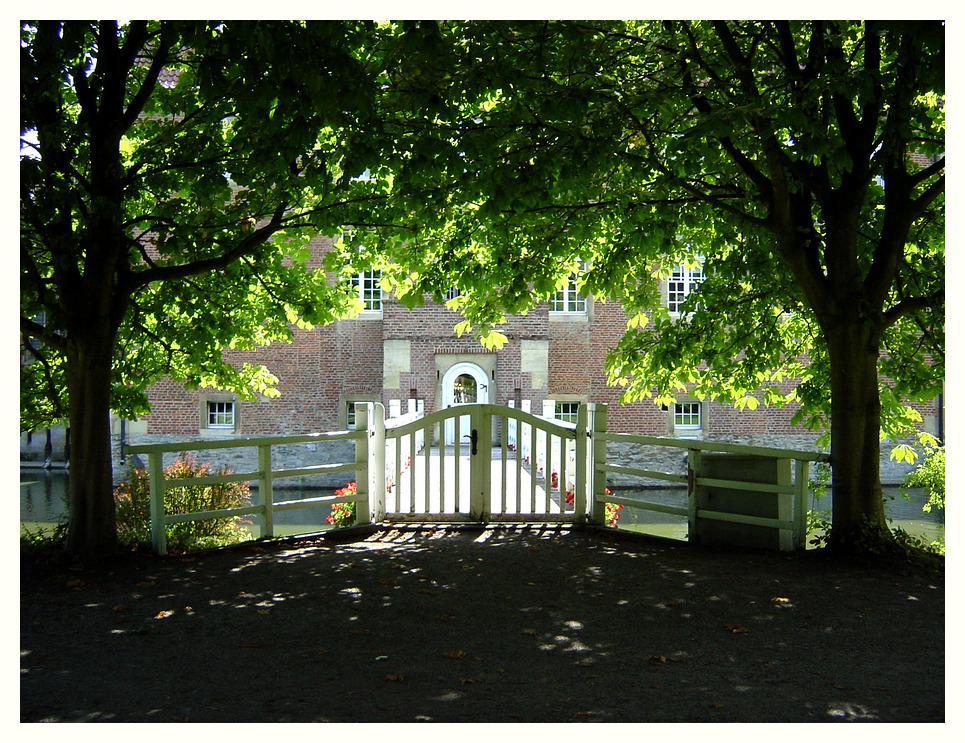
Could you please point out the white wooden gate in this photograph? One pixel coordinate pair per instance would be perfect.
(512, 466)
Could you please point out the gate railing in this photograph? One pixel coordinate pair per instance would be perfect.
(511, 465)
(515, 466)
(703, 483)
(264, 476)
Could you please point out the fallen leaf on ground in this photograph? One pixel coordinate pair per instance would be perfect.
(659, 660)
(735, 628)
(780, 600)
(121, 608)
(395, 677)
(455, 654)
(164, 614)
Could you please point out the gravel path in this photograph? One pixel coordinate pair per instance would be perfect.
(526, 624)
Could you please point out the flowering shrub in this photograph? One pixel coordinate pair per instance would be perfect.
(133, 501)
(343, 514)
(612, 509)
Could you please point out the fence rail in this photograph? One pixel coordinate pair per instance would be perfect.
(265, 476)
(388, 453)
(792, 490)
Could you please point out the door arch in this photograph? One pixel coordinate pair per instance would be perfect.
(462, 384)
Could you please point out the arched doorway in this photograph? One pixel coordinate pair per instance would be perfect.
(463, 384)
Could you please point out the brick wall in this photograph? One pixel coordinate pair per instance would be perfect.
(324, 365)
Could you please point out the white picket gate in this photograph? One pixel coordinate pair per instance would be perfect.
(511, 467)
(514, 467)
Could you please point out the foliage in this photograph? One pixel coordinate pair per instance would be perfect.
(819, 520)
(343, 514)
(221, 184)
(45, 543)
(930, 475)
(774, 153)
(134, 507)
(172, 174)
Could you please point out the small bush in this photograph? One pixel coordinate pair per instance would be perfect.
(133, 501)
(44, 543)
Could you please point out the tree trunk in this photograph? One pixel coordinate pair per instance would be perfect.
(92, 528)
(857, 516)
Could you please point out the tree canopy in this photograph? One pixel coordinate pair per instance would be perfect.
(173, 172)
(171, 175)
(801, 163)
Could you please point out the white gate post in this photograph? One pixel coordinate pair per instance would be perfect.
(584, 466)
(596, 422)
(374, 444)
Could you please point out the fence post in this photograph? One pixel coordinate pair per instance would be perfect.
(155, 479)
(801, 476)
(374, 456)
(584, 466)
(265, 487)
(693, 472)
(785, 504)
(597, 495)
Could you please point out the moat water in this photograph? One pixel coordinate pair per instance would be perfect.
(43, 504)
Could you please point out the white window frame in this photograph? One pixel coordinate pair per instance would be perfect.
(566, 410)
(683, 280)
(369, 290)
(569, 300)
(688, 410)
(220, 414)
(350, 417)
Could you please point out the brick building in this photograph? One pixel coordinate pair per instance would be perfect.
(554, 358)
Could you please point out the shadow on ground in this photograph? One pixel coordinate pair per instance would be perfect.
(527, 624)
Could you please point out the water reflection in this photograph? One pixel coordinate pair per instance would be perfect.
(43, 496)
(43, 501)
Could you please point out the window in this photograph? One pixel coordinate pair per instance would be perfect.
(221, 414)
(452, 293)
(566, 411)
(568, 299)
(352, 414)
(682, 281)
(355, 415)
(367, 284)
(686, 415)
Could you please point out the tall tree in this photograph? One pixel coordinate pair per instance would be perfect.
(800, 162)
(171, 176)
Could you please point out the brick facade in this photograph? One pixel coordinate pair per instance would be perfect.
(401, 354)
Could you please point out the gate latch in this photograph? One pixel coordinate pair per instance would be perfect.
(474, 439)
